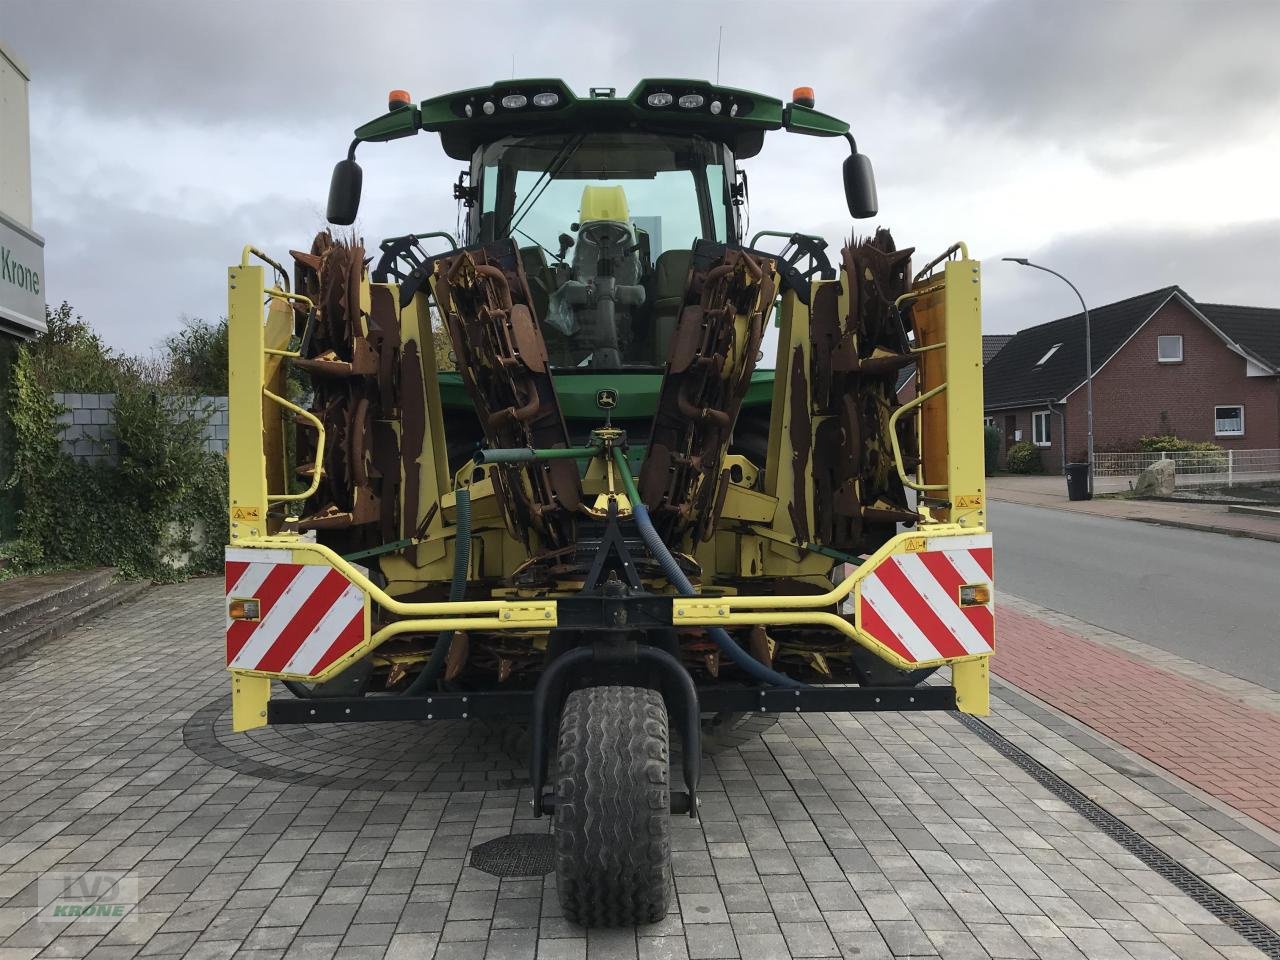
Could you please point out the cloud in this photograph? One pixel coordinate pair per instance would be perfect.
(1214, 266)
(1128, 82)
(168, 133)
(134, 274)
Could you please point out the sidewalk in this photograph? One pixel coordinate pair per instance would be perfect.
(1217, 733)
(1041, 491)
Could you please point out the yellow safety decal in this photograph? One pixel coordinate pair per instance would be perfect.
(245, 513)
(969, 500)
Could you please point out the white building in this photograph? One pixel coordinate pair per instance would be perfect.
(22, 283)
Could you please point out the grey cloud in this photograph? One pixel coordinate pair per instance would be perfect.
(133, 274)
(221, 63)
(1128, 83)
(1216, 266)
(191, 73)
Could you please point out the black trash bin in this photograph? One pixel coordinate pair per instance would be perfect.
(1078, 481)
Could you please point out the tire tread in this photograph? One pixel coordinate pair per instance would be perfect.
(613, 802)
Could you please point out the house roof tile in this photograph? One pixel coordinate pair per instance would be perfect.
(1016, 376)
(1257, 329)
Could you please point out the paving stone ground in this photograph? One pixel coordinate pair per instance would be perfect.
(858, 836)
(1226, 742)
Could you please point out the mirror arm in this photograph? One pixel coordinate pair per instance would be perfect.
(351, 150)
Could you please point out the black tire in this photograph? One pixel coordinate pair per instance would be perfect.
(727, 730)
(613, 807)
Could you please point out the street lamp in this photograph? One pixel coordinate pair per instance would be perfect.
(1088, 357)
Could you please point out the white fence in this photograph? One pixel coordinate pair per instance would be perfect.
(1196, 466)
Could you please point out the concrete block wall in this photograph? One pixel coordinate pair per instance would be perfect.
(89, 426)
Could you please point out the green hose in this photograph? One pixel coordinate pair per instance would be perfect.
(530, 455)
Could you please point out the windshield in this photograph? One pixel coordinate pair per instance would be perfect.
(606, 223)
(675, 186)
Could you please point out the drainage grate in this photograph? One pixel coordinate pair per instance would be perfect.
(1194, 886)
(516, 855)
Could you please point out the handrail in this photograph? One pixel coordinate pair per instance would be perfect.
(916, 295)
(960, 246)
(453, 243)
(251, 250)
(897, 448)
(821, 618)
(916, 351)
(286, 295)
(805, 601)
(784, 236)
(317, 470)
(442, 608)
(940, 345)
(542, 614)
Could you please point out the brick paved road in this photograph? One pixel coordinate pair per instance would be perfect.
(868, 837)
(1225, 747)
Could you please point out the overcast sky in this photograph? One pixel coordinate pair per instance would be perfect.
(1127, 145)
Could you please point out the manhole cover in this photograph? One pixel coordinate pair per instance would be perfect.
(515, 855)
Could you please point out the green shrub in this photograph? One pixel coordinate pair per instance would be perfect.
(1209, 457)
(159, 513)
(991, 449)
(197, 357)
(1024, 457)
(1167, 443)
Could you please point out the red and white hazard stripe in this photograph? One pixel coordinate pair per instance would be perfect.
(911, 601)
(309, 615)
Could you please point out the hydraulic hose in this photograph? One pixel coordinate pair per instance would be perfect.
(660, 552)
(457, 592)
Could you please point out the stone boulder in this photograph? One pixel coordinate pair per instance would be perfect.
(1157, 480)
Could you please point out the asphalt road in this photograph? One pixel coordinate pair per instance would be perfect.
(1210, 598)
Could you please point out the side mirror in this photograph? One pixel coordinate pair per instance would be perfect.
(860, 187)
(344, 193)
(566, 242)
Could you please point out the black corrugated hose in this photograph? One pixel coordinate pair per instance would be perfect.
(457, 592)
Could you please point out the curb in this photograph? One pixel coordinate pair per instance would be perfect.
(1254, 511)
(1209, 528)
(1157, 521)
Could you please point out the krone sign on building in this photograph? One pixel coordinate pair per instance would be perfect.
(22, 281)
(21, 275)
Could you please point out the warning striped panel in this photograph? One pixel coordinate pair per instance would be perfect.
(911, 601)
(309, 615)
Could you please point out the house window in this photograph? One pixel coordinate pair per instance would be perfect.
(1040, 428)
(1049, 353)
(1169, 349)
(1228, 421)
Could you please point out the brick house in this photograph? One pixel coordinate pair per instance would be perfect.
(1163, 364)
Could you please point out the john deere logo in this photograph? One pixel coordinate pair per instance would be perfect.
(606, 399)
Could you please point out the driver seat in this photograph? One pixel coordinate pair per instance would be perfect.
(605, 280)
(606, 244)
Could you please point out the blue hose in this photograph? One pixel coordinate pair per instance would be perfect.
(728, 646)
(457, 592)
